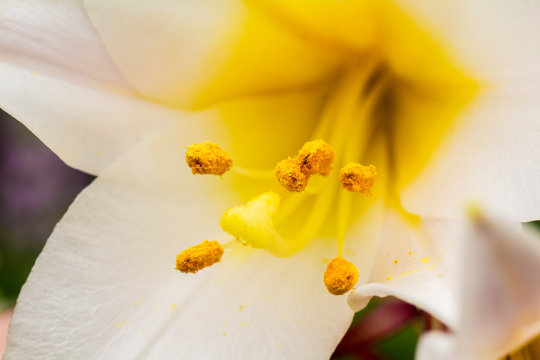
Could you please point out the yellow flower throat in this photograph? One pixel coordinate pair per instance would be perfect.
(385, 109)
(254, 223)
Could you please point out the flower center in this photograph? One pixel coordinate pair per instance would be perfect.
(382, 117)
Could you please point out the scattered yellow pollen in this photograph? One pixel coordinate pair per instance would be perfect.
(396, 261)
(425, 260)
(290, 175)
(198, 257)
(223, 334)
(241, 307)
(173, 306)
(316, 157)
(208, 158)
(340, 276)
(358, 178)
(119, 325)
(389, 278)
(408, 272)
(410, 252)
(243, 323)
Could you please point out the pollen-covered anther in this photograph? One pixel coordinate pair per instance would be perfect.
(316, 157)
(340, 276)
(198, 257)
(290, 175)
(358, 178)
(208, 158)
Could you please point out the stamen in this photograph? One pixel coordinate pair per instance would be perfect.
(290, 175)
(340, 276)
(198, 257)
(358, 178)
(316, 157)
(208, 158)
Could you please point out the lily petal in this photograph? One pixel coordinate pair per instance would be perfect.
(54, 37)
(497, 43)
(105, 281)
(193, 53)
(87, 124)
(436, 345)
(414, 264)
(501, 124)
(499, 294)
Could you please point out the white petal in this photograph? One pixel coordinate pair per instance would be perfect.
(414, 263)
(491, 158)
(500, 292)
(496, 40)
(192, 53)
(87, 124)
(105, 287)
(55, 37)
(436, 345)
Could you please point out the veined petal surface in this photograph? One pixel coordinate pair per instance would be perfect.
(55, 37)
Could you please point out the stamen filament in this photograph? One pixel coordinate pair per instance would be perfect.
(354, 150)
(260, 174)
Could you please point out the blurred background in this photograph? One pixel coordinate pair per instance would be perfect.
(36, 188)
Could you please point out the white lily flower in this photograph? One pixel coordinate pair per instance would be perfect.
(498, 297)
(111, 87)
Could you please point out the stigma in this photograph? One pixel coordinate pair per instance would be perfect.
(355, 177)
(340, 276)
(198, 257)
(314, 158)
(208, 158)
(252, 224)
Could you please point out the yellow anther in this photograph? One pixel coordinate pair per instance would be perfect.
(198, 257)
(290, 175)
(358, 178)
(208, 158)
(316, 157)
(340, 276)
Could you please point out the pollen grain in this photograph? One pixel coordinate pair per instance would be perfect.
(340, 276)
(208, 158)
(290, 175)
(355, 177)
(316, 157)
(198, 257)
